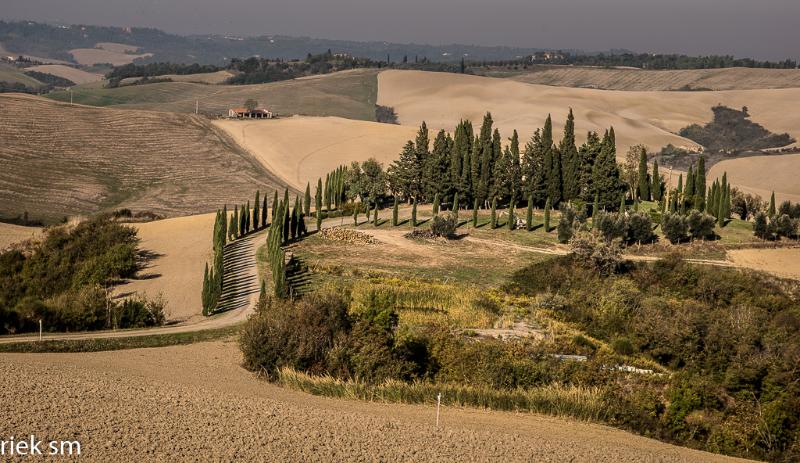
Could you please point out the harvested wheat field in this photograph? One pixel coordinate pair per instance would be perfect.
(634, 79)
(762, 175)
(651, 118)
(349, 94)
(12, 234)
(106, 52)
(58, 160)
(302, 149)
(783, 262)
(78, 76)
(178, 250)
(199, 404)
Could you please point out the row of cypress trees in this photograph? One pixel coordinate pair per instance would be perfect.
(212, 277)
(477, 167)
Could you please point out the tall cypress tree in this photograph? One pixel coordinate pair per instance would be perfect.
(375, 215)
(414, 212)
(552, 163)
(606, 180)
(308, 199)
(700, 185)
(771, 209)
(511, 219)
(247, 221)
(688, 190)
(475, 213)
(569, 160)
(642, 178)
(655, 188)
(232, 227)
(286, 218)
(355, 213)
(680, 183)
(455, 206)
(435, 209)
(256, 215)
(236, 222)
(264, 211)
(547, 206)
(529, 214)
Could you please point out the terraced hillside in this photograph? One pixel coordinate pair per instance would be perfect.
(645, 80)
(348, 94)
(57, 159)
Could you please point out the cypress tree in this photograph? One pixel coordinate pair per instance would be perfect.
(622, 204)
(721, 212)
(236, 222)
(475, 213)
(511, 220)
(455, 206)
(286, 218)
(644, 184)
(596, 205)
(206, 291)
(375, 215)
(493, 224)
(655, 189)
(232, 228)
(688, 187)
(414, 212)
(243, 221)
(293, 224)
(680, 183)
(605, 172)
(356, 207)
(247, 218)
(700, 185)
(569, 160)
(547, 216)
(436, 204)
(394, 212)
(308, 199)
(529, 214)
(771, 209)
(264, 212)
(516, 168)
(256, 216)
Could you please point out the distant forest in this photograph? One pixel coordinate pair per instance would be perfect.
(26, 37)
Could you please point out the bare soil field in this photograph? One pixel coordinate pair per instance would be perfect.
(781, 262)
(300, 150)
(12, 234)
(633, 79)
(349, 94)
(78, 76)
(179, 247)
(199, 404)
(106, 52)
(58, 160)
(762, 175)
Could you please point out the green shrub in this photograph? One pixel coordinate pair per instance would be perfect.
(444, 225)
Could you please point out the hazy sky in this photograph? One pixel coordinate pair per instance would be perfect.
(766, 29)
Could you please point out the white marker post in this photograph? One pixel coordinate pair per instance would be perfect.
(438, 405)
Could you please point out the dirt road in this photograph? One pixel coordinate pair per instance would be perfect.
(195, 403)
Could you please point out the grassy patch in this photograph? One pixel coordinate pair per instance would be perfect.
(133, 342)
(579, 402)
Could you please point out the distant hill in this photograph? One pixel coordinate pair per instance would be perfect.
(55, 42)
(62, 160)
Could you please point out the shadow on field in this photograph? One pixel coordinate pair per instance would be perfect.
(238, 284)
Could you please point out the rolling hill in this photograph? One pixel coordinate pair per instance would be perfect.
(349, 94)
(633, 79)
(58, 160)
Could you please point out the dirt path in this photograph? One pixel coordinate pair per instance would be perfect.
(195, 403)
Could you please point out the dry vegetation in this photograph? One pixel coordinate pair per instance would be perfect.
(61, 160)
(12, 234)
(629, 79)
(350, 94)
(761, 175)
(76, 75)
(301, 150)
(115, 53)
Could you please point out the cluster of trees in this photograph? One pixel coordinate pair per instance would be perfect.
(285, 226)
(65, 281)
(643, 61)
(774, 224)
(213, 278)
(155, 69)
(732, 131)
(475, 168)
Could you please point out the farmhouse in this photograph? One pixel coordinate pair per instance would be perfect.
(244, 113)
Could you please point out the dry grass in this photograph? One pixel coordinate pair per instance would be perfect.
(781, 262)
(13, 234)
(78, 76)
(61, 160)
(583, 403)
(629, 79)
(349, 94)
(107, 52)
(762, 175)
(301, 150)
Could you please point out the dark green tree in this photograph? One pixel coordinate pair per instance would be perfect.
(771, 209)
(455, 206)
(475, 213)
(643, 178)
(435, 208)
(356, 207)
(529, 214)
(394, 213)
(493, 223)
(700, 185)
(308, 199)
(256, 212)
(656, 187)
(547, 207)
(414, 212)
(570, 160)
(606, 179)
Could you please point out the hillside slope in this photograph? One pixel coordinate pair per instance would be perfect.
(631, 79)
(58, 160)
(349, 94)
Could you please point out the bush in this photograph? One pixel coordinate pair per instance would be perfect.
(610, 226)
(623, 346)
(701, 226)
(444, 226)
(603, 256)
(566, 225)
(138, 312)
(675, 227)
(639, 228)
